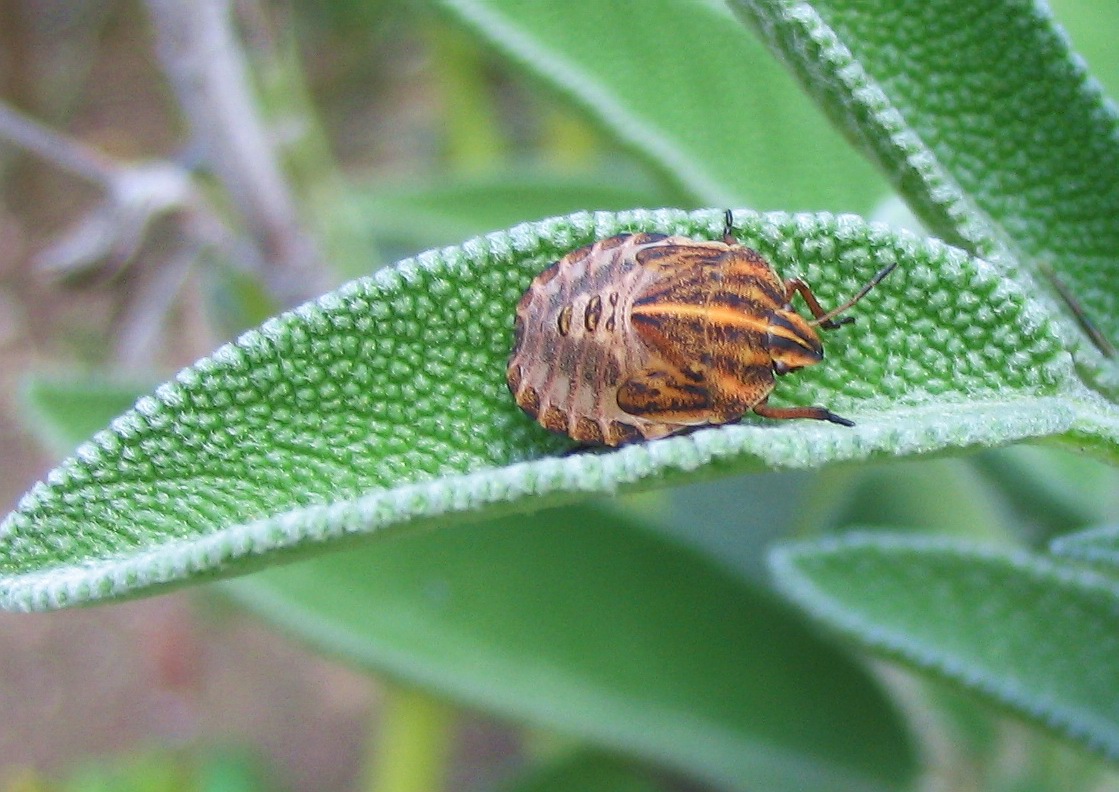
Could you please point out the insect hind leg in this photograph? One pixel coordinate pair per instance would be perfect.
(816, 413)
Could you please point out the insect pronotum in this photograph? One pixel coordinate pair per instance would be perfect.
(640, 336)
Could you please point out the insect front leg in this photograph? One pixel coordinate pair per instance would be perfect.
(797, 286)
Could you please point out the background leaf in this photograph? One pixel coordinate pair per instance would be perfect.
(590, 772)
(1033, 635)
(728, 126)
(1099, 545)
(417, 216)
(579, 620)
(523, 616)
(65, 411)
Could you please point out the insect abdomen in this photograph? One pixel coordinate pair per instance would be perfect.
(574, 342)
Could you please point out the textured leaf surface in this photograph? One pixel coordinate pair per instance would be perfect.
(729, 126)
(578, 620)
(384, 404)
(983, 120)
(1031, 634)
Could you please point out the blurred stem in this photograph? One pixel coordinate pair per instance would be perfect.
(569, 143)
(472, 137)
(542, 746)
(1037, 493)
(59, 150)
(280, 80)
(824, 500)
(413, 745)
(205, 64)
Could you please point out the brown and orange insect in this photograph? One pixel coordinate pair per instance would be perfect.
(640, 336)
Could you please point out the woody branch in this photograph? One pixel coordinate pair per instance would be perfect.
(206, 67)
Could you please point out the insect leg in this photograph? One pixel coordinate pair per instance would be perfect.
(817, 413)
(797, 286)
(728, 228)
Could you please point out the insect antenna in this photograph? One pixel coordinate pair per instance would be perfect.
(826, 319)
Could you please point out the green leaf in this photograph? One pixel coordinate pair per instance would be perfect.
(66, 411)
(984, 121)
(578, 620)
(729, 126)
(1049, 490)
(411, 607)
(587, 772)
(417, 216)
(1035, 636)
(385, 404)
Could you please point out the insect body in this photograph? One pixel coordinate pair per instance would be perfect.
(643, 335)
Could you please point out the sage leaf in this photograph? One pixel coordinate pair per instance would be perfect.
(1034, 635)
(384, 404)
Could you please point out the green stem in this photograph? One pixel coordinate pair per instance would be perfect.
(474, 141)
(413, 746)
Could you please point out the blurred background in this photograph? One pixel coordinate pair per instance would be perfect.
(181, 692)
(121, 262)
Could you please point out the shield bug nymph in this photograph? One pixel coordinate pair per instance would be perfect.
(640, 336)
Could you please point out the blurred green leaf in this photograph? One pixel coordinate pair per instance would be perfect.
(579, 620)
(728, 125)
(1035, 636)
(1090, 26)
(912, 494)
(416, 216)
(64, 411)
(1050, 491)
(587, 772)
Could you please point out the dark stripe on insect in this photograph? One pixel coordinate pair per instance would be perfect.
(792, 332)
(618, 433)
(753, 284)
(800, 349)
(743, 365)
(669, 321)
(737, 335)
(690, 291)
